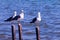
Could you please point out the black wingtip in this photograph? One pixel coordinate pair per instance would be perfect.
(31, 22)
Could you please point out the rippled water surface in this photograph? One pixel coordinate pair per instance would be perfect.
(49, 26)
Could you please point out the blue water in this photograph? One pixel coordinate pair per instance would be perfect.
(49, 26)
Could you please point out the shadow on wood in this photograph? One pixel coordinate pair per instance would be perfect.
(37, 33)
(20, 31)
(13, 32)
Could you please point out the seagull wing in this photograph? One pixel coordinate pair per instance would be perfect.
(16, 17)
(9, 19)
(34, 19)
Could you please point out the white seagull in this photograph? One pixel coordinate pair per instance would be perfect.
(36, 19)
(11, 18)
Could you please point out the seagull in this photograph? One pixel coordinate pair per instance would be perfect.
(36, 19)
(11, 18)
(19, 17)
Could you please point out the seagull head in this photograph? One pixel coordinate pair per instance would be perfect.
(22, 14)
(14, 14)
(39, 16)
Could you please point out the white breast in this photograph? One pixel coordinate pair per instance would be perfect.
(39, 16)
(22, 15)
